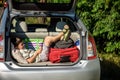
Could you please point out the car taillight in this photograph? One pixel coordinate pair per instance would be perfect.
(1, 48)
(5, 4)
(92, 54)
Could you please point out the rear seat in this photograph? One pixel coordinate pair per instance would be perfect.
(31, 39)
(29, 35)
(21, 30)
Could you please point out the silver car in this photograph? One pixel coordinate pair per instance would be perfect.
(33, 20)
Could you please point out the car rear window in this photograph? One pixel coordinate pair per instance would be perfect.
(45, 5)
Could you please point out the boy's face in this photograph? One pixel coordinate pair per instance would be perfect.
(21, 45)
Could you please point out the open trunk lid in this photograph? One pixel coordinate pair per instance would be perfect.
(43, 5)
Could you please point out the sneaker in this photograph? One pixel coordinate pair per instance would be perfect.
(66, 27)
(66, 32)
(67, 35)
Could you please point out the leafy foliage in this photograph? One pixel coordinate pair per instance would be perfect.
(102, 18)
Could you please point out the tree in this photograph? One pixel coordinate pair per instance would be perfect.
(102, 18)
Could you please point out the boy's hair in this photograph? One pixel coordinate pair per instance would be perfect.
(16, 41)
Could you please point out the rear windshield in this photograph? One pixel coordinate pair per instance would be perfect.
(43, 22)
(45, 5)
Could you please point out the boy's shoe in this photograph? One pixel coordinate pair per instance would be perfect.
(66, 32)
(66, 27)
(67, 35)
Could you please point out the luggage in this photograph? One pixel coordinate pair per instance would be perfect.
(64, 44)
(57, 55)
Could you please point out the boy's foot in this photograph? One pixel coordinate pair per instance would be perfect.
(67, 35)
(66, 32)
(65, 29)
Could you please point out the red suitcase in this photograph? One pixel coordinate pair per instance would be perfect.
(63, 55)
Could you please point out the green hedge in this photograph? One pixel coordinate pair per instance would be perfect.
(102, 18)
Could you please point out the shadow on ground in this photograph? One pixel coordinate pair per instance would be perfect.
(109, 71)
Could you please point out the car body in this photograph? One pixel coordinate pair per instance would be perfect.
(87, 67)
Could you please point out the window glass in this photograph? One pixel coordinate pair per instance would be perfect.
(37, 20)
(43, 5)
(44, 22)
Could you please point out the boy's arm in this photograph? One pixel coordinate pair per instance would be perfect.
(31, 59)
(17, 56)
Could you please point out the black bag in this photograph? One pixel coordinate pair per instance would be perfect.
(64, 44)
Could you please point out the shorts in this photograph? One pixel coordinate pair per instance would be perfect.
(44, 54)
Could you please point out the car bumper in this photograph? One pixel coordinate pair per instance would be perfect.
(85, 70)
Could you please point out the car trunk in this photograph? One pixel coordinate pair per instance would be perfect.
(37, 28)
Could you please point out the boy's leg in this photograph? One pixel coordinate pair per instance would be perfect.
(47, 42)
(50, 39)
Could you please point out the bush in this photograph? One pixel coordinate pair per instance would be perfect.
(102, 18)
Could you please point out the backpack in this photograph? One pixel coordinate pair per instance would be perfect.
(62, 44)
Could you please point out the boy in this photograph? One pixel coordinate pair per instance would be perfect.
(23, 55)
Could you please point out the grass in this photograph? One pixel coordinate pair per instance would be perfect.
(110, 65)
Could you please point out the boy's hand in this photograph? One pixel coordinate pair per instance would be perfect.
(39, 50)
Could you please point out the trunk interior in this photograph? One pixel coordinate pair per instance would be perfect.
(35, 29)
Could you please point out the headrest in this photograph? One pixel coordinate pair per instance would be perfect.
(14, 21)
(60, 26)
(21, 26)
(41, 30)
